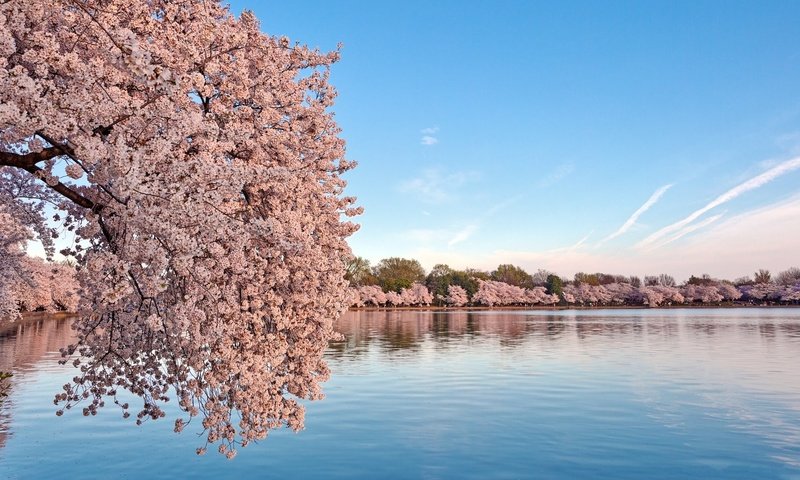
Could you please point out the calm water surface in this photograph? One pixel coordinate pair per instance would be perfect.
(523, 394)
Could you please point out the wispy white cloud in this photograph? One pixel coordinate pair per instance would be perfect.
(428, 136)
(689, 229)
(463, 234)
(467, 232)
(571, 248)
(638, 213)
(437, 187)
(581, 242)
(752, 184)
(556, 175)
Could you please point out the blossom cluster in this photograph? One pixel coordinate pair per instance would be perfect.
(416, 295)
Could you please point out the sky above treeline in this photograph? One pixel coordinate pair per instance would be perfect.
(623, 137)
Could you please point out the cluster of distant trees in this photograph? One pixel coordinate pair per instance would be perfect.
(39, 286)
(404, 282)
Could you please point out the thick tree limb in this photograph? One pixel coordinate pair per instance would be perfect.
(25, 160)
(65, 191)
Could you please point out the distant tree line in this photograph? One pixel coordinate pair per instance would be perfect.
(404, 282)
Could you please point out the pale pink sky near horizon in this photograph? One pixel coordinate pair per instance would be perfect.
(727, 249)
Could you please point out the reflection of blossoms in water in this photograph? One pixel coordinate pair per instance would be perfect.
(23, 345)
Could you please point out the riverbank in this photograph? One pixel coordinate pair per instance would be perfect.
(571, 307)
(8, 326)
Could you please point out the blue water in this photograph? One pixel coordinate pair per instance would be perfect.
(525, 394)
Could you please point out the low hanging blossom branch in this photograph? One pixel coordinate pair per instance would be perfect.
(202, 182)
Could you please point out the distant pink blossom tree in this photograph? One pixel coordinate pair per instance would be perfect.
(456, 296)
(371, 295)
(587, 294)
(417, 294)
(624, 293)
(394, 298)
(48, 287)
(203, 185)
(539, 296)
(13, 236)
(656, 295)
(491, 292)
(701, 293)
(791, 293)
(728, 291)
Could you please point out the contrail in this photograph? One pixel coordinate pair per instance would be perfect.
(734, 192)
(638, 213)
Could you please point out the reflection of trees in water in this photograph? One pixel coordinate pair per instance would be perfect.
(790, 329)
(23, 344)
(665, 328)
(767, 330)
(592, 328)
(409, 330)
(399, 331)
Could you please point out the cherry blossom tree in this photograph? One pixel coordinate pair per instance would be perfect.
(456, 296)
(491, 292)
(728, 291)
(416, 294)
(624, 293)
(539, 295)
(12, 238)
(587, 294)
(47, 286)
(393, 298)
(370, 294)
(655, 295)
(704, 293)
(760, 292)
(791, 293)
(198, 165)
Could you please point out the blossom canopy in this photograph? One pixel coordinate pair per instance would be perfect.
(197, 163)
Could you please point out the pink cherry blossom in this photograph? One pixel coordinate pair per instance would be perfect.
(205, 195)
(456, 296)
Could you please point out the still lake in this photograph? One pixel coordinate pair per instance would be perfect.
(683, 393)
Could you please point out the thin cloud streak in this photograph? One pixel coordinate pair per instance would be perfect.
(436, 187)
(463, 235)
(580, 242)
(470, 230)
(734, 192)
(563, 171)
(638, 213)
(689, 229)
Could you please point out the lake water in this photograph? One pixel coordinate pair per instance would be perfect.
(514, 394)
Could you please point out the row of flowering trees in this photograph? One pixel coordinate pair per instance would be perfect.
(447, 287)
(42, 286)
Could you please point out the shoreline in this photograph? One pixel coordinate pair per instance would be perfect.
(7, 325)
(569, 307)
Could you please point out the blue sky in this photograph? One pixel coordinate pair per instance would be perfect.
(530, 133)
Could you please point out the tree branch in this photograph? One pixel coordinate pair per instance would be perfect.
(25, 160)
(65, 191)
